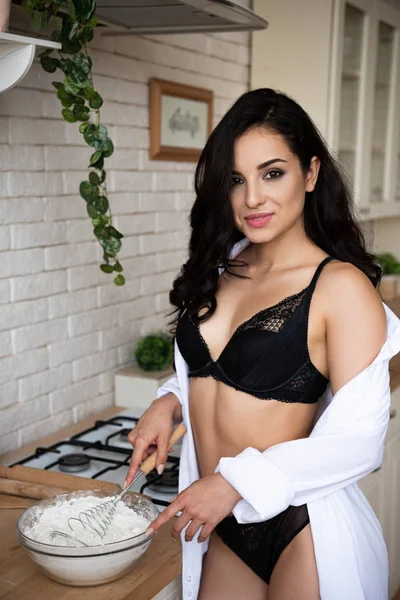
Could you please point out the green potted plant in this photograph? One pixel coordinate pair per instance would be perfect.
(390, 283)
(155, 352)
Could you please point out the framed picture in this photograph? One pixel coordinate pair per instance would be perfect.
(180, 120)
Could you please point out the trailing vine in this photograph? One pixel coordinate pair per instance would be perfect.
(81, 103)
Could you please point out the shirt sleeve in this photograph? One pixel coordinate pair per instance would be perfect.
(346, 444)
(171, 385)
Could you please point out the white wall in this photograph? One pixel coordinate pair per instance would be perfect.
(387, 236)
(64, 326)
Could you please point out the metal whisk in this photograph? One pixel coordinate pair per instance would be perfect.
(98, 519)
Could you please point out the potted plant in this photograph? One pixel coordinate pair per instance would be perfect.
(390, 283)
(154, 352)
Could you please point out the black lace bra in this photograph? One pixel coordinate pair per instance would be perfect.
(267, 355)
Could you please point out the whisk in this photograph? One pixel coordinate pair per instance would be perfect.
(98, 518)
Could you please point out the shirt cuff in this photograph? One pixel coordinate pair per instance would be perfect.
(265, 489)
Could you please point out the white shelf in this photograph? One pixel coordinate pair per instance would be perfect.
(16, 56)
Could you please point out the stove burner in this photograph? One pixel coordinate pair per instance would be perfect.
(73, 463)
(123, 435)
(166, 483)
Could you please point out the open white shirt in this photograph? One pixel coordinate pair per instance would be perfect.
(346, 443)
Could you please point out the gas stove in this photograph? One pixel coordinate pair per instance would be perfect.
(103, 452)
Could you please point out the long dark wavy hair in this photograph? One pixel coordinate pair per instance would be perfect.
(328, 209)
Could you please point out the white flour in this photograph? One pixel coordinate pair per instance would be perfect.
(125, 523)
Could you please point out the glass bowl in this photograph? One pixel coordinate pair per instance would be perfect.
(92, 565)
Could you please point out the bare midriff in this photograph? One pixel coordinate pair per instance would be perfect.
(225, 421)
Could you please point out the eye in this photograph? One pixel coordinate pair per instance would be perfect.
(236, 181)
(274, 174)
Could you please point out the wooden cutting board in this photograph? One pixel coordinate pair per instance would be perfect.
(61, 482)
(52, 478)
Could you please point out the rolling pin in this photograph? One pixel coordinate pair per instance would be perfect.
(15, 487)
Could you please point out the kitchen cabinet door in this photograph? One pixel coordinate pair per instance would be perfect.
(364, 126)
(351, 77)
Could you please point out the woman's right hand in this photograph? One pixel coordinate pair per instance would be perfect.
(152, 432)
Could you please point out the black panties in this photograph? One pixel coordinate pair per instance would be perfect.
(260, 545)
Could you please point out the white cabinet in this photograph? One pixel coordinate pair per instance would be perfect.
(340, 59)
(16, 56)
(363, 116)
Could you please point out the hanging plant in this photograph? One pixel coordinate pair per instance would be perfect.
(81, 103)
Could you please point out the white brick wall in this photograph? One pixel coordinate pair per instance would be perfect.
(64, 327)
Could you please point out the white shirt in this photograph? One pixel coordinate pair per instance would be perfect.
(346, 443)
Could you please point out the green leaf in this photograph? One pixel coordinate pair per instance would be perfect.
(92, 212)
(89, 192)
(69, 46)
(102, 132)
(38, 19)
(100, 232)
(64, 65)
(78, 76)
(90, 134)
(107, 148)
(82, 61)
(114, 232)
(101, 204)
(94, 178)
(119, 279)
(102, 177)
(49, 64)
(111, 245)
(56, 6)
(28, 5)
(100, 220)
(46, 52)
(66, 99)
(70, 87)
(96, 156)
(106, 268)
(83, 127)
(93, 21)
(56, 35)
(84, 9)
(89, 92)
(118, 267)
(57, 84)
(81, 112)
(74, 31)
(71, 10)
(87, 34)
(96, 102)
(99, 164)
(68, 115)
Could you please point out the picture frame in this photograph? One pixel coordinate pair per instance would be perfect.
(181, 119)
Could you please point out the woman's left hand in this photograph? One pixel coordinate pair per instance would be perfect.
(203, 504)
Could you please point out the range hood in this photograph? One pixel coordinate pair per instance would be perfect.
(176, 16)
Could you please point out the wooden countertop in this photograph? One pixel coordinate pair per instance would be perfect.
(20, 578)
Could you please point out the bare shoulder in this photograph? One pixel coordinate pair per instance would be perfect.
(355, 320)
(345, 285)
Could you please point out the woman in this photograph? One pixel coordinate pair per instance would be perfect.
(278, 316)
